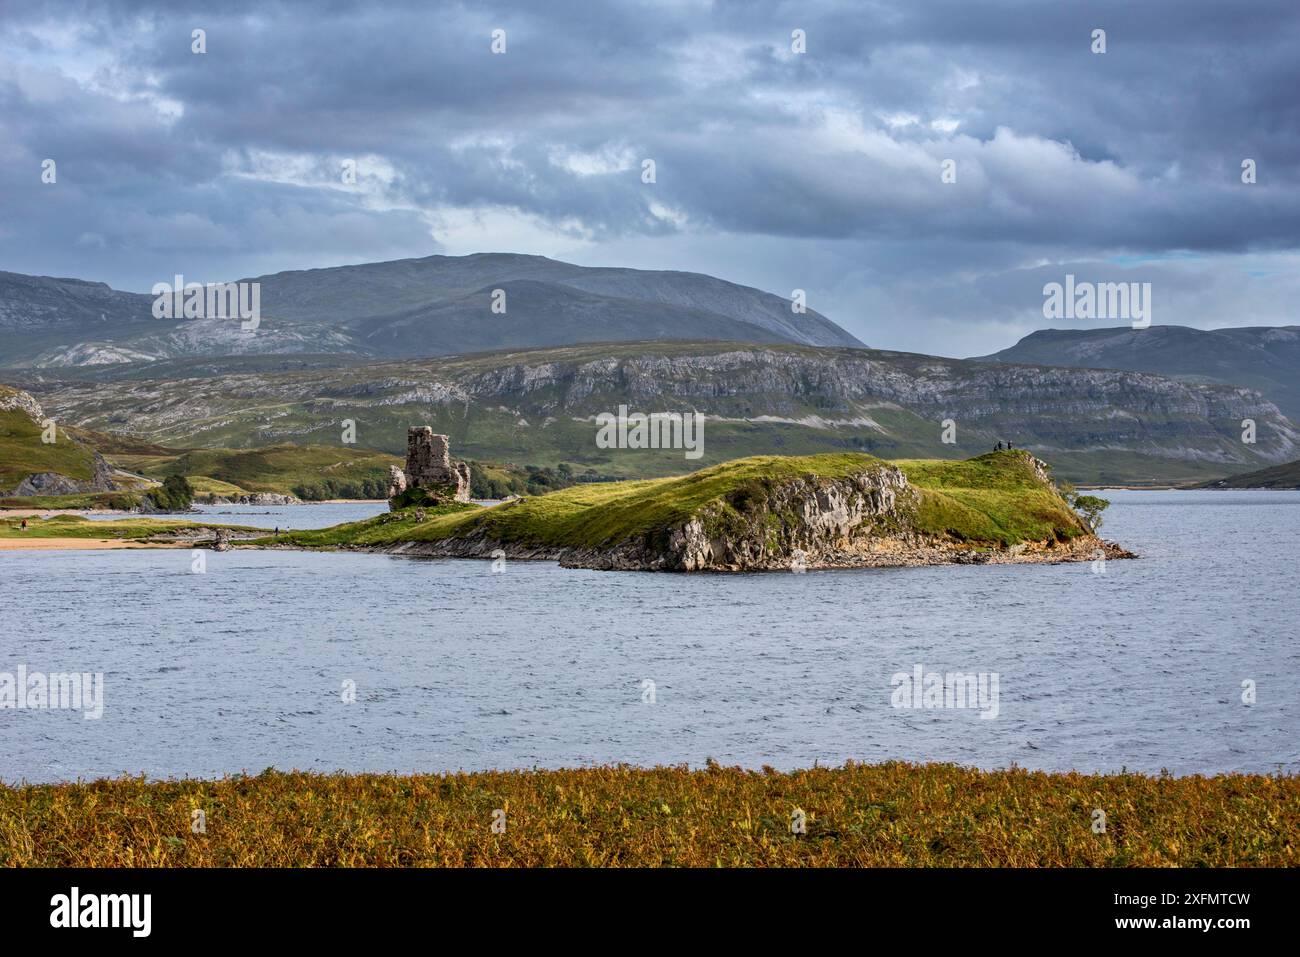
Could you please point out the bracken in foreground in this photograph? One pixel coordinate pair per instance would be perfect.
(891, 814)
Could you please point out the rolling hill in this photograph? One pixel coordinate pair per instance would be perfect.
(1285, 476)
(438, 305)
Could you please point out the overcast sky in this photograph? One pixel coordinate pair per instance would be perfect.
(819, 171)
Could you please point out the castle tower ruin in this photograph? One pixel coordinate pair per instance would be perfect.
(429, 465)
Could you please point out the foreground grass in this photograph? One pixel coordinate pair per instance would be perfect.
(860, 815)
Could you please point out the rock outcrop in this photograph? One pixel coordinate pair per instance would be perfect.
(816, 520)
(396, 481)
(53, 483)
(17, 399)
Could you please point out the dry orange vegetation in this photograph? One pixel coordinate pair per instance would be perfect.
(860, 815)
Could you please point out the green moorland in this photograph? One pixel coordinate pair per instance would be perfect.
(315, 472)
(993, 499)
(308, 471)
(890, 815)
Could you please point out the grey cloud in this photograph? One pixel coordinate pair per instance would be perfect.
(1062, 156)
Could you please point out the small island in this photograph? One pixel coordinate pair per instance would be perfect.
(762, 513)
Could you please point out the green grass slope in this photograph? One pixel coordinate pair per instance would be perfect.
(22, 453)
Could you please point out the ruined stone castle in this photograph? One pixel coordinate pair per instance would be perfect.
(429, 466)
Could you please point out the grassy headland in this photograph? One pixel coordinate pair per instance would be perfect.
(891, 815)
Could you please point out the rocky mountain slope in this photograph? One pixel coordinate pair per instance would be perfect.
(414, 307)
(1263, 358)
(539, 407)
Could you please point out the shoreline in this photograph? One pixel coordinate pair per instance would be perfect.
(911, 557)
(880, 554)
(25, 512)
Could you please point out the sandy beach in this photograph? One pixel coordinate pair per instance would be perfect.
(50, 512)
(37, 543)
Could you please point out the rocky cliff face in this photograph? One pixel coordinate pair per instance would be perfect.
(1052, 409)
(807, 522)
(540, 405)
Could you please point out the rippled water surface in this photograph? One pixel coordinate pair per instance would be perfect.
(455, 667)
(271, 516)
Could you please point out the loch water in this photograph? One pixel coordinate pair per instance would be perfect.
(1137, 664)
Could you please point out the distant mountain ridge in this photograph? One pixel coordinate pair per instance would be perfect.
(1263, 358)
(437, 305)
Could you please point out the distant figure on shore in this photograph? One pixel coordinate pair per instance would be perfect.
(998, 447)
(24, 525)
(1009, 446)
